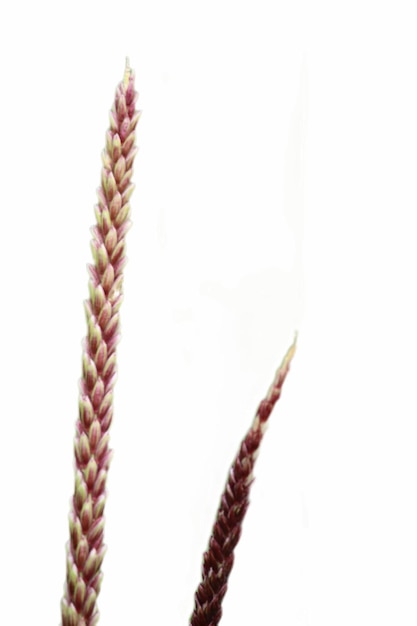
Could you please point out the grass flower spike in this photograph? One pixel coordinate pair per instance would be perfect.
(85, 550)
(219, 557)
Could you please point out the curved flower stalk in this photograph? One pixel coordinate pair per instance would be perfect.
(219, 557)
(85, 550)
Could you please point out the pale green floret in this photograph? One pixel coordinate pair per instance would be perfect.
(122, 215)
(80, 592)
(75, 530)
(107, 279)
(120, 168)
(90, 601)
(105, 216)
(128, 192)
(111, 184)
(86, 412)
(99, 510)
(102, 446)
(107, 401)
(80, 491)
(97, 394)
(70, 614)
(114, 122)
(125, 180)
(115, 204)
(91, 565)
(97, 212)
(89, 369)
(106, 159)
(116, 147)
(97, 297)
(90, 472)
(72, 575)
(111, 239)
(94, 435)
(121, 106)
(82, 552)
(109, 141)
(84, 448)
(102, 258)
(86, 515)
(94, 331)
(100, 482)
(96, 530)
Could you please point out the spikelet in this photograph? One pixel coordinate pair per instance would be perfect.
(85, 550)
(219, 556)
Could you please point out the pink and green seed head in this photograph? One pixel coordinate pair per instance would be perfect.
(86, 550)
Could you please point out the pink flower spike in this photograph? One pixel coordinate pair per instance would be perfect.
(85, 550)
(219, 556)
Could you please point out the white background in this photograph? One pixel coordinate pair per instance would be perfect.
(275, 190)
